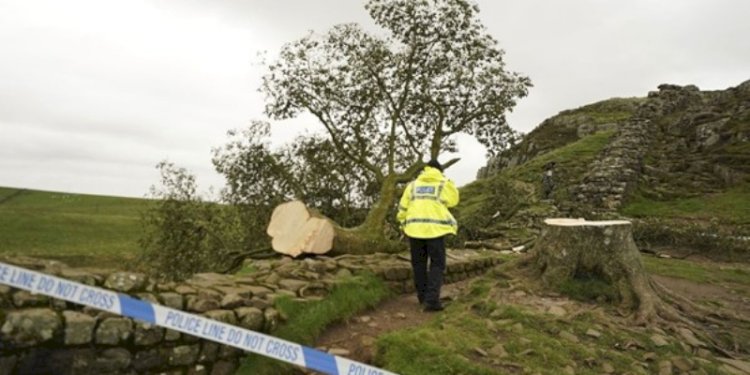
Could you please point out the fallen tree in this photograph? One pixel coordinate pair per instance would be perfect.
(296, 229)
(574, 248)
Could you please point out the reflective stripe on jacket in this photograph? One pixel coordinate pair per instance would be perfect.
(423, 209)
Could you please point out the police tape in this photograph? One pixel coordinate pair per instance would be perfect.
(191, 324)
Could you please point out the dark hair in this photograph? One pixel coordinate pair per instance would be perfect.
(435, 164)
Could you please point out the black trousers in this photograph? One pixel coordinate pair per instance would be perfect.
(428, 284)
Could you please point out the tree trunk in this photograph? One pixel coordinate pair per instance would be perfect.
(569, 248)
(296, 229)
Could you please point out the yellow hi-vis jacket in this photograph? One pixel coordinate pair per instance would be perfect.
(423, 209)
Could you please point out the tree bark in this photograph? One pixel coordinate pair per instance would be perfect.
(569, 248)
(603, 249)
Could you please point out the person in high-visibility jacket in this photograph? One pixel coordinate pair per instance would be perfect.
(424, 218)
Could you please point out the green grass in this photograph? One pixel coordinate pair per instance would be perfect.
(306, 321)
(80, 229)
(731, 206)
(697, 272)
(576, 156)
(533, 341)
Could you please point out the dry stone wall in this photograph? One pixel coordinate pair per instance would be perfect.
(41, 335)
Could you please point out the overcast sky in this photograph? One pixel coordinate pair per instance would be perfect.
(93, 93)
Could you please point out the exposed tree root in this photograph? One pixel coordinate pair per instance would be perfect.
(605, 250)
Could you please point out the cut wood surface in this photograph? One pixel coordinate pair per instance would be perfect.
(296, 230)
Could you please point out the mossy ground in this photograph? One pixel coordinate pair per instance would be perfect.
(589, 339)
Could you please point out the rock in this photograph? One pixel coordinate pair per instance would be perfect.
(682, 364)
(209, 352)
(607, 368)
(184, 355)
(226, 316)
(569, 370)
(650, 356)
(397, 273)
(226, 351)
(556, 310)
(172, 300)
(79, 328)
(150, 359)
(258, 291)
(365, 319)
(147, 334)
(185, 289)
(231, 301)
(292, 285)
(201, 305)
(401, 315)
(339, 352)
(23, 298)
(197, 370)
(30, 327)
(272, 318)
(659, 340)
(113, 360)
(251, 318)
(343, 273)
(171, 335)
(113, 331)
(593, 333)
(665, 368)
(480, 351)
(569, 336)
(498, 351)
(126, 282)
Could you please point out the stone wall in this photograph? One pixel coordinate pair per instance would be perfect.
(40, 335)
(616, 171)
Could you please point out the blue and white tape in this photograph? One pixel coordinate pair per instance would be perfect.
(191, 324)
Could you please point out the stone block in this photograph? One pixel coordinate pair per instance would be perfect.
(126, 282)
(172, 300)
(150, 359)
(147, 334)
(184, 355)
(272, 319)
(226, 316)
(113, 360)
(79, 328)
(23, 298)
(209, 352)
(114, 331)
(251, 318)
(200, 305)
(30, 327)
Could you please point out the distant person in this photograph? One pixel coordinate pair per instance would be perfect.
(548, 181)
(424, 217)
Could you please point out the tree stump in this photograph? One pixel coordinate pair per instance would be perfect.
(568, 248)
(603, 249)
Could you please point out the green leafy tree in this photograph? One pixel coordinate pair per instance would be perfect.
(258, 178)
(387, 103)
(182, 233)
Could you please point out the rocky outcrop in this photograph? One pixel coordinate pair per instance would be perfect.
(679, 141)
(51, 336)
(564, 128)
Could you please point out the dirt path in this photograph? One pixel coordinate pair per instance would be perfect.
(355, 339)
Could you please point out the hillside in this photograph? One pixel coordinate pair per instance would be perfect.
(677, 161)
(80, 229)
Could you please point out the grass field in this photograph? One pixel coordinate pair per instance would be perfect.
(81, 230)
